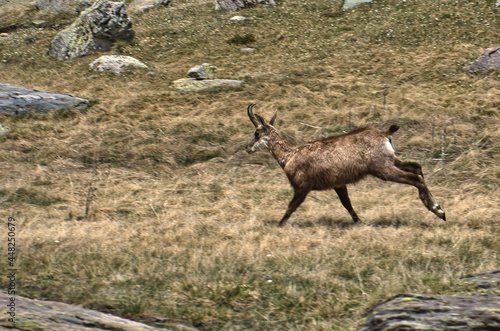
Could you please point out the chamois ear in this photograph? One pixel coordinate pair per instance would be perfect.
(261, 120)
(273, 120)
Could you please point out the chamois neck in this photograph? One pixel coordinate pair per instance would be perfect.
(280, 148)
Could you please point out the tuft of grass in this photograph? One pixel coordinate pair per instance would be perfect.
(242, 39)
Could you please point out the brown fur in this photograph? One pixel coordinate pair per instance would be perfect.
(336, 161)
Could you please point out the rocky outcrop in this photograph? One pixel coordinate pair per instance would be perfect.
(115, 63)
(97, 28)
(489, 59)
(18, 100)
(412, 311)
(28, 314)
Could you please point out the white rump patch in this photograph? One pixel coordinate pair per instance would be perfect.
(389, 144)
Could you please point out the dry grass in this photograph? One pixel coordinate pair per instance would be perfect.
(182, 227)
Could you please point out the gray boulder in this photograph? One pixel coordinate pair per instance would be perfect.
(139, 6)
(18, 100)
(67, 6)
(203, 71)
(97, 28)
(489, 59)
(115, 63)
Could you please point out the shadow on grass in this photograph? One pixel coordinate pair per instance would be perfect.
(347, 223)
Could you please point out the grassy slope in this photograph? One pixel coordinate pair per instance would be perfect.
(183, 223)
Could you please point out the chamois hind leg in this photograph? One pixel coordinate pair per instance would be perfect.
(409, 166)
(298, 197)
(395, 174)
(346, 202)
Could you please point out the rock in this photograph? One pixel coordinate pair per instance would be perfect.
(67, 6)
(490, 279)
(115, 63)
(238, 18)
(248, 49)
(412, 311)
(191, 84)
(4, 130)
(489, 59)
(234, 5)
(348, 4)
(139, 6)
(39, 23)
(53, 315)
(19, 100)
(95, 29)
(203, 71)
(497, 4)
(435, 312)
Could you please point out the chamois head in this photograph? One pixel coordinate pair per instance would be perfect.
(262, 131)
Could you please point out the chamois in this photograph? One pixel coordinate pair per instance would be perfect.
(334, 162)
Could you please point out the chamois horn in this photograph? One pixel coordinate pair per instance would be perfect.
(251, 115)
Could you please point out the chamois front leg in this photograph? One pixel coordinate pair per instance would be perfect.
(346, 202)
(298, 197)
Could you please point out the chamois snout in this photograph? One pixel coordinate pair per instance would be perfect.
(249, 149)
(258, 143)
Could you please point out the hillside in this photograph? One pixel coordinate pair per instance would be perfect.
(146, 205)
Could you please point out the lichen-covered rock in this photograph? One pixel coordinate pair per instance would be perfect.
(115, 63)
(96, 28)
(67, 6)
(203, 71)
(489, 59)
(191, 84)
(139, 6)
(18, 100)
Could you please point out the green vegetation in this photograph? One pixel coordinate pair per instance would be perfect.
(182, 226)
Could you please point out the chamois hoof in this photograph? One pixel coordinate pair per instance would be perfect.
(439, 212)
